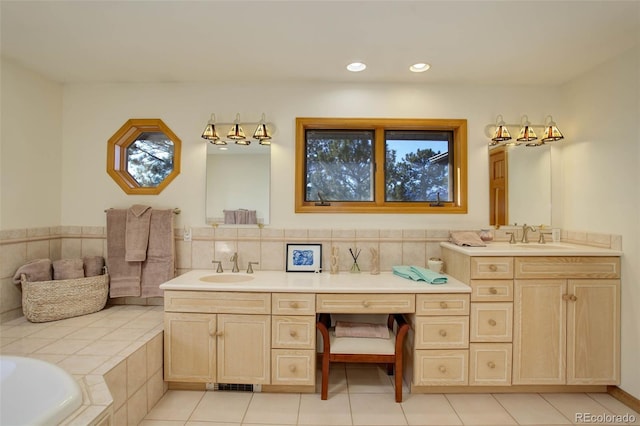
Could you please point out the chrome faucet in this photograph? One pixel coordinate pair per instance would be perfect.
(234, 259)
(525, 231)
(219, 262)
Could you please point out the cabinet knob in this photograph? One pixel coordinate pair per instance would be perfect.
(565, 297)
(493, 268)
(220, 333)
(293, 333)
(366, 304)
(492, 322)
(493, 290)
(443, 333)
(292, 368)
(491, 364)
(442, 369)
(573, 298)
(293, 305)
(444, 305)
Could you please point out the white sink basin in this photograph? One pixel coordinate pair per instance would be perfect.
(226, 278)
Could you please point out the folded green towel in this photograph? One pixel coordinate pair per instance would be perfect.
(417, 273)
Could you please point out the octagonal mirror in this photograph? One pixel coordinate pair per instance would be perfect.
(143, 156)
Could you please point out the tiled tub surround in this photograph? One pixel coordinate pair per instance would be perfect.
(264, 245)
(115, 355)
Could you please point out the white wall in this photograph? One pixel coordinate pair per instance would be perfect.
(92, 113)
(30, 147)
(600, 182)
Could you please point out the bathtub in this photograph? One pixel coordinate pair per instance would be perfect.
(35, 392)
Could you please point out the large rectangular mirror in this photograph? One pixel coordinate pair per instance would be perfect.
(520, 185)
(238, 184)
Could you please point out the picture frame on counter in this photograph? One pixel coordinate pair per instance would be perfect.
(304, 257)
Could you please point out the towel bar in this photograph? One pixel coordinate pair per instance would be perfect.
(175, 211)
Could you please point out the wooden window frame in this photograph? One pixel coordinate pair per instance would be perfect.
(117, 155)
(379, 205)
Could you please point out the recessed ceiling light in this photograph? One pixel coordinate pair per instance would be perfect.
(421, 67)
(223, 148)
(356, 66)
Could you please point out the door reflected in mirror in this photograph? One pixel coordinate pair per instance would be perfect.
(238, 184)
(520, 185)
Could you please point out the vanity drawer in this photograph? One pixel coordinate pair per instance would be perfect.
(296, 332)
(490, 364)
(442, 304)
(491, 290)
(365, 303)
(442, 332)
(217, 302)
(491, 267)
(568, 267)
(293, 303)
(491, 322)
(292, 367)
(441, 368)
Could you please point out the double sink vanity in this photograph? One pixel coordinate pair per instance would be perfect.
(511, 317)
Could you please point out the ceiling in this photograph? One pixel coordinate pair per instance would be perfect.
(476, 42)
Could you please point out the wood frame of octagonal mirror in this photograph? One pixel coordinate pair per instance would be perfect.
(117, 154)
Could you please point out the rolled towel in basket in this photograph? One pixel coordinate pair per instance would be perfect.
(93, 265)
(36, 270)
(67, 269)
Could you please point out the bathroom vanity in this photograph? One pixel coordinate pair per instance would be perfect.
(510, 318)
(541, 314)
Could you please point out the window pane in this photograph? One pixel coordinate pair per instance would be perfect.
(418, 165)
(339, 165)
(150, 158)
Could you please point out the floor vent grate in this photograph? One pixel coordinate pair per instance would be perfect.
(232, 387)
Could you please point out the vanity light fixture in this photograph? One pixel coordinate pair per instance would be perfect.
(551, 132)
(236, 133)
(501, 134)
(263, 133)
(211, 134)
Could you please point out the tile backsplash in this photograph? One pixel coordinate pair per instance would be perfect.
(264, 245)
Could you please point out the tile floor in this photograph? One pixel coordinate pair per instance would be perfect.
(363, 395)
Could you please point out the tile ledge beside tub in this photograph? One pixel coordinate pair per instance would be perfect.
(106, 397)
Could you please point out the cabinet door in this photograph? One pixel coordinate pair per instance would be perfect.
(189, 347)
(539, 332)
(244, 348)
(593, 332)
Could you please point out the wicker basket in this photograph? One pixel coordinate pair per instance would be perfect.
(44, 301)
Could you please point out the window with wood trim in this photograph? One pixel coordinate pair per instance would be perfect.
(372, 165)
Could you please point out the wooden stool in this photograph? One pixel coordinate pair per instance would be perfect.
(355, 349)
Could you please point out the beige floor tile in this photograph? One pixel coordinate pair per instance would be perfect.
(337, 379)
(25, 346)
(479, 409)
(211, 424)
(55, 332)
(163, 423)
(531, 409)
(615, 406)
(104, 348)
(111, 321)
(368, 379)
(573, 405)
(92, 333)
(376, 409)
(335, 410)
(222, 407)
(429, 409)
(129, 334)
(175, 405)
(273, 408)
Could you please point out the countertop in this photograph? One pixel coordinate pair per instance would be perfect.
(532, 249)
(303, 282)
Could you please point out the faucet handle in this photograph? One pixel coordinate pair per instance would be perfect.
(512, 238)
(219, 262)
(541, 240)
(250, 268)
